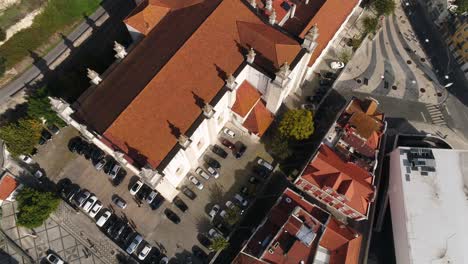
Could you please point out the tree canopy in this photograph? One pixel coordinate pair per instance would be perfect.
(22, 136)
(232, 215)
(39, 107)
(462, 6)
(384, 7)
(35, 207)
(219, 243)
(370, 23)
(297, 124)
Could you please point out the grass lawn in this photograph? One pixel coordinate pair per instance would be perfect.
(15, 13)
(57, 15)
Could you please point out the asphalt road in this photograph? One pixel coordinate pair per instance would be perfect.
(34, 71)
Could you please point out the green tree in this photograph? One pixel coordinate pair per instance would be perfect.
(39, 107)
(384, 7)
(370, 23)
(35, 207)
(2, 66)
(2, 34)
(462, 6)
(279, 147)
(219, 243)
(297, 124)
(344, 56)
(232, 215)
(21, 136)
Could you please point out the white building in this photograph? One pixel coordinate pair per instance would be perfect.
(197, 66)
(428, 191)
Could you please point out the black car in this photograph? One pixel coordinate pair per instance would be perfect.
(53, 128)
(42, 141)
(46, 134)
(240, 150)
(330, 75)
(71, 192)
(180, 204)
(200, 254)
(212, 162)
(74, 144)
(219, 151)
(172, 216)
(189, 193)
(83, 148)
(325, 82)
(96, 153)
(144, 191)
(157, 202)
(261, 171)
(204, 240)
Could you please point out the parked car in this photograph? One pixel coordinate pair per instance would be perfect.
(119, 202)
(172, 216)
(335, 65)
(213, 172)
(189, 193)
(325, 82)
(229, 132)
(53, 129)
(230, 205)
(180, 204)
(39, 173)
(144, 252)
(123, 234)
(42, 141)
(136, 187)
(96, 208)
(157, 202)
(96, 153)
(74, 144)
(150, 198)
(330, 75)
(196, 182)
(212, 162)
(82, 197)
(223, 214)
(164, 260)
(135, 242)
(214, 234)
(114, 171)
(71, 192)
(100, 164)
(214, 211)
(241, 200)
(89, 204)
(54, 259)
(261, 171)
(309, 107)
(202, 173)
(103, 218)
(219, 151)
(114, 226)
(46, 134)
(239, 150)
(227, 143)
(253, 180)
(26, 159)
(265, 164)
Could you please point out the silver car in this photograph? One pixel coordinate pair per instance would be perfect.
(135, 242)
(202, 173)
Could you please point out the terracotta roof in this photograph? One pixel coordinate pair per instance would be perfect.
(340, 241)
(329, 19)
(246, 97)
(363, 117)
(8, 185)
(259, 119)
(168, 104)
(328, 169)
(304, 13)
(150, 12)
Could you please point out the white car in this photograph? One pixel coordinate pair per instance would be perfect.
(223, 213)
(229, 132)
(103, 219)
(213, 233)
(89, 203)
(230, 205)
(196, 182)
(214, 211)
(95, 210)
(202, 173)
(265, 164)
(335, 65)
(144, 252)
(26, 159)
(54, 259)
(213, 172)
(242, 201)
(136, 187)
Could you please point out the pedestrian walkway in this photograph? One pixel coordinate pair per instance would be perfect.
(436, 115)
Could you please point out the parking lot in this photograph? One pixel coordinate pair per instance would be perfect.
(174, 240)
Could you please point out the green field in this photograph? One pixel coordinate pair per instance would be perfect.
(15, 13)
(56, 17)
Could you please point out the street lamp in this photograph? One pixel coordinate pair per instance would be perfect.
(448, 85)
(446, 77)
(426, 40)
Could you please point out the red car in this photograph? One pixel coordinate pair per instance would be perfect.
(227, 143)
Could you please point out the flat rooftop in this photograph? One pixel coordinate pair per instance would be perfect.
(435, 197)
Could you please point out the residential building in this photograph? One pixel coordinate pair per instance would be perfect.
(457, 40)
(9, 187)
(199, 65)
(429, 205)
(341, 174)
(296, 231)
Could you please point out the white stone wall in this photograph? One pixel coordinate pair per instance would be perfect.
(135, 34)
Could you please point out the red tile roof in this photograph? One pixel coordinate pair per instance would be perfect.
(8, 185)
(342, 243)
(329, 19)
(246, 97)
(328, 169)
(259, 119)
(146, 126)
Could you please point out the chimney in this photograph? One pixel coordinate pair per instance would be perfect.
(120, 51)
(94, 77)
(310, 39)
(282, 76)
(272, 17)
(251, 55)
(231, 82)
(269, 5)
(184, 141)
(208, 111)
(253, 3)
(293, 10)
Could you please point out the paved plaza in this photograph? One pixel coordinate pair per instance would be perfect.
(36, 243)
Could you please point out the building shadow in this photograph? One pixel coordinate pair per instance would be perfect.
(90, 22)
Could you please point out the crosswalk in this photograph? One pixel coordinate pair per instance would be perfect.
(436, 114)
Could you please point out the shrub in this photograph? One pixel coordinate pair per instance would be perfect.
(21, 136)
(35, 207)
(297, 124)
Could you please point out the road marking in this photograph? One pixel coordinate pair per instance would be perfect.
(446, 109)
(425, 120)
